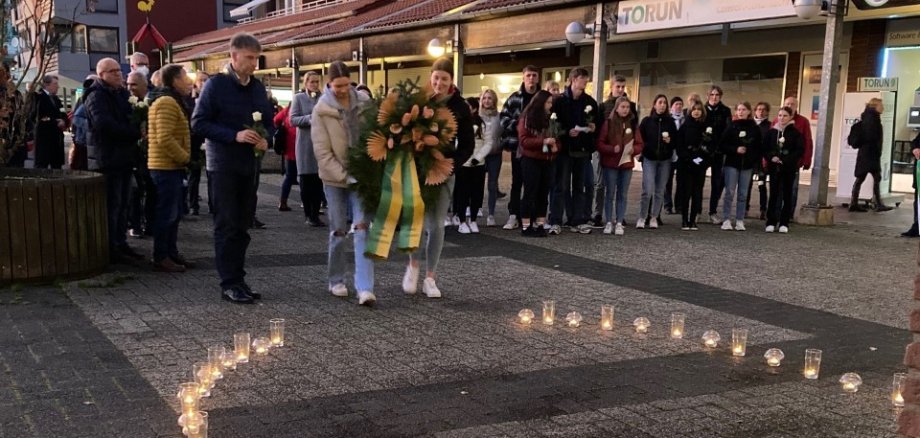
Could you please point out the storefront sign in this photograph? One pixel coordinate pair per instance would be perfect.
(903, 33)
(878, 84)
(880, 4)
(643, 15)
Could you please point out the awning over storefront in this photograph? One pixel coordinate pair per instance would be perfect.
(244, 10)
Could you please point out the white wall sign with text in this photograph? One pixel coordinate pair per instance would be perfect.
(643, 15)
(878, 84)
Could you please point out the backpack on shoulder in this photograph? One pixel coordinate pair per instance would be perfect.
(854, 139)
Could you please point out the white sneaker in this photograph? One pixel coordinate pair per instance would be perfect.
(410, 280)
(455, 221)
(464, 228)
(784, 229)
(640, 224)
(608, 228)
(430, 288)
(339, 290)
(770, 229)
(467, 212)
(490, 221)
(619, 231)
(555, 230)
(727, 225)
(653, 223)
(474, 227)
(715, 219)
(739, 226)
(547, 226)
(583, 229)
(512, 223)
(366, 298)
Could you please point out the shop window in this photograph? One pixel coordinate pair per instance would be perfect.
(104, 6)
(751, 79)
(103, 40)
(77, 40)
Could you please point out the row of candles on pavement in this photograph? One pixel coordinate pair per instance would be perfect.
(774, 356)
(193, 420)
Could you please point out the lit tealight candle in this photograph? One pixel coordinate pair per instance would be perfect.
(261, 346)
(711, 338)
(607, 317)
(739, 342)
(811, 373)
(573, 319)
(812, 363)
(850, 382)
(897, 386)
(549, 312)
(774, 357)
(677, 325)
(642, 324)
(276, 330)
(525, 316)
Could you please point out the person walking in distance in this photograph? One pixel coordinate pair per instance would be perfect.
(229, 107)
(510, 114)
(718, 117)
(868, 159)
(311, 187)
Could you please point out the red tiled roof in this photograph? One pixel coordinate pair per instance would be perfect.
(424, 11)
(495, 4)
(277, 23)
(360, 20)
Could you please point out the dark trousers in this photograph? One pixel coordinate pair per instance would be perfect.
(169, 207)
(716, 183)
(690, 180)
(876, 186)
(254, 195)
(142, 211)
(517, 180)
(194, 181)
(493, 169)
(118, 188)
(468, 191)
(781, 207)
(536, 175)
(232, 201)
(569, 184)
(290, 178)
(311, 195)
(761, 187)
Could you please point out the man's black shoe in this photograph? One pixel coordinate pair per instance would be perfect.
(257, 224)
(180, 259)
(912, 232)
(237, 295)
(249, 291)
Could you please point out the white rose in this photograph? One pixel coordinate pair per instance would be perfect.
(147, 100)
(628, 131)
(588, 109)
(665, 134)
(742, 134)
(552, 116)
(256, 116)
(142, 104)
(132, 100)
(709, 130)
(782, 139)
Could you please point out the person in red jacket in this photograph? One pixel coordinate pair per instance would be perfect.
(283, 120)
(537, 146)
(617, 136)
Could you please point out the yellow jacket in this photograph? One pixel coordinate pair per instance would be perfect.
(168, 136)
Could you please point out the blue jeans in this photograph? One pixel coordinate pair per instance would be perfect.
(738, 180)
(233, 211)
(170, 201)
(339, 200)
(118, 190)
(493, 168)
(616, 182)
(655, 174)
(433, 236)
(290, 178)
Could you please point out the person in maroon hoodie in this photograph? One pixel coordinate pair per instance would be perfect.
(617, 132)
(537, 146)
(283, 121)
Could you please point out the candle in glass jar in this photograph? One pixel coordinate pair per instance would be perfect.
(525, 316)
(549, 312)
(739, 342)
(812, 363)
(677, 325)
(606, 317)
(276, 332)
(897, 386)
(241, 347)
(774, 357)
(261, 346)
(642, 324)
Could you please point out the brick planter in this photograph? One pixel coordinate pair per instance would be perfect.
(52, 225)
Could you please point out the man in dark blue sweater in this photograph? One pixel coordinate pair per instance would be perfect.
(230, 104)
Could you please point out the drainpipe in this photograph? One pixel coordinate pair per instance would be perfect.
(458, 58)
(599, 72)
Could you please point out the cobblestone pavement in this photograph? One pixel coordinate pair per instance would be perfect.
(103, 357)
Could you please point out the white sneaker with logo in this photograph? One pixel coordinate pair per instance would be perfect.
(784, 229)
(366, 298)
(739, 226)
(653, 223)
(608, 228)
(619, 230)
(464, 228)
(490, 221)
(410, 280)
(727, 225)
(770, 229)
(640, 224)
(474, 227)
(339, 290)
(430, 288)
(512, 223)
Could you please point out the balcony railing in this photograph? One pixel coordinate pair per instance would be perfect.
(307, 5)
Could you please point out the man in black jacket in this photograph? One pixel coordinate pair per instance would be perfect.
(49, 130)
(868, 159)
(718, 117)
(509, 116)
(111, 149)
(576, 113)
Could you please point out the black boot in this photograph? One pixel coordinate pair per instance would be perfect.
(877, 192)
(854, 199)
(912, 232)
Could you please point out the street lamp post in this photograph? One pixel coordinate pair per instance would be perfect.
(818, 211)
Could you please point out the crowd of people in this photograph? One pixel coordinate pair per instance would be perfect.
(572, 160)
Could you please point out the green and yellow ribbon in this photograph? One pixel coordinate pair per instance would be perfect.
(400, 204)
